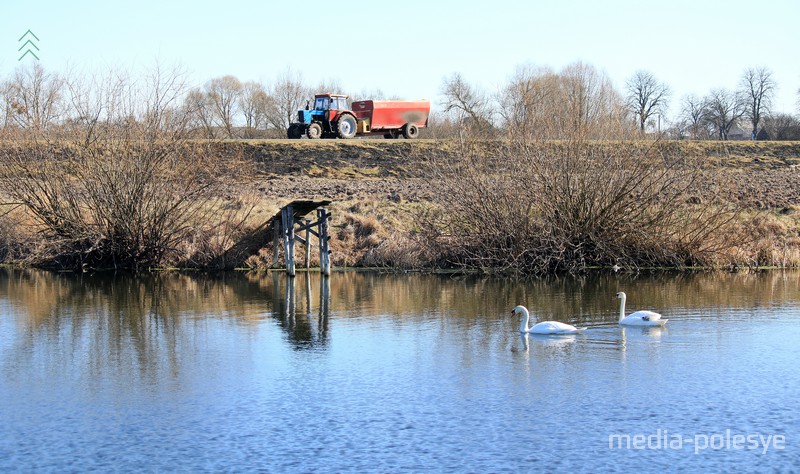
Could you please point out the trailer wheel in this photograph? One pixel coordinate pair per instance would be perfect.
(390, 135)
(346, 126)
(314, 131)
(410, 131)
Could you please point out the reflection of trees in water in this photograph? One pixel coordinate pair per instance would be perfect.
(145, 324)
(153, 322)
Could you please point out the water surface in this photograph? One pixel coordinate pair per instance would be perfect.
(370, 372)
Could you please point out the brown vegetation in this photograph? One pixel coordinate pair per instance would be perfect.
(109, 172)
(403, 205)
(577, 206)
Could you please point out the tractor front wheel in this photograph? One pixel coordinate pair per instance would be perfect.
(295, 131)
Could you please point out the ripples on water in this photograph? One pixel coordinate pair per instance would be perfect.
(390, 373)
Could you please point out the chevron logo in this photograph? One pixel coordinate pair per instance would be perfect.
(29, 45)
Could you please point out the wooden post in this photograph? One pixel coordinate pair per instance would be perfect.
(324, 252)
(308, 244)
(276, 241)
(287, 219)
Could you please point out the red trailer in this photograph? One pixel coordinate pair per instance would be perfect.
(391, 118)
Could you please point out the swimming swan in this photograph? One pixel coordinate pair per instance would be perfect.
(639, 318)
(546, 327)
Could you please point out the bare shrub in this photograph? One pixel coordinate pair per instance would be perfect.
(564, 206)
(109, 204)
(127, 190)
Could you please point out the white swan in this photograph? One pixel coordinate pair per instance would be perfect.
(546, 327)
(639, 318)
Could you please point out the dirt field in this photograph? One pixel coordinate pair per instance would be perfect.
(762, 175)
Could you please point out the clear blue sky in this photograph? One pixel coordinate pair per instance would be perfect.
(407, 48)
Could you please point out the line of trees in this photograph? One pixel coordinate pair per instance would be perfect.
(578, 101)
(542, 103)
(34, 99)
(536, 102)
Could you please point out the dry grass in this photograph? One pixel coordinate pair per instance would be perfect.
(383, 231)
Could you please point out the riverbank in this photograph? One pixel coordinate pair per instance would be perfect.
(385, 192)
(386, 197)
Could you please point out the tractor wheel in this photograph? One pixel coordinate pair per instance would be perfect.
(294, 132)
(410, 131)
(346, 126)
(314, 131)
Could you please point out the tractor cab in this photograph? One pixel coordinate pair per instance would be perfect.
(326, 108)
(330, 102)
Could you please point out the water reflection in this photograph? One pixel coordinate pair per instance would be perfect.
(248, 372)
(154, 323)
(303, 331)
(546, 345)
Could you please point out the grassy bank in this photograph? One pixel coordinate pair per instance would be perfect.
(404, 204)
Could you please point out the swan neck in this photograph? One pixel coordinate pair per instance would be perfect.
(622, 308)
(523, 327)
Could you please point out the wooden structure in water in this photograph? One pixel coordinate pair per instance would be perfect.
(290, 225)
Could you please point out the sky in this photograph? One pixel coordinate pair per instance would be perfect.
(406, 49)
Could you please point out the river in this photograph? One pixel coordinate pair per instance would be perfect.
(366, 372)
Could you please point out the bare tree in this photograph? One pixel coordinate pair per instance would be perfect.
(254, 103)
(782, 127)
(758, 88)
(373, 94)
(693, 114)
(590, 105)
(329, 86)
(723, 109)
(288, 96)
(199, 112)
(527, 103)
(467, 103)
(163, 90)
(578, 101)
(100, 106)
(646, 97)
(223, 95)
(34, 97)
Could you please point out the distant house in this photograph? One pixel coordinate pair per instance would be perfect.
(736, 132)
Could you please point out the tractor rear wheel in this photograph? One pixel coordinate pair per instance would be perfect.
(346, 126)
(410, 131)
(314, 131)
